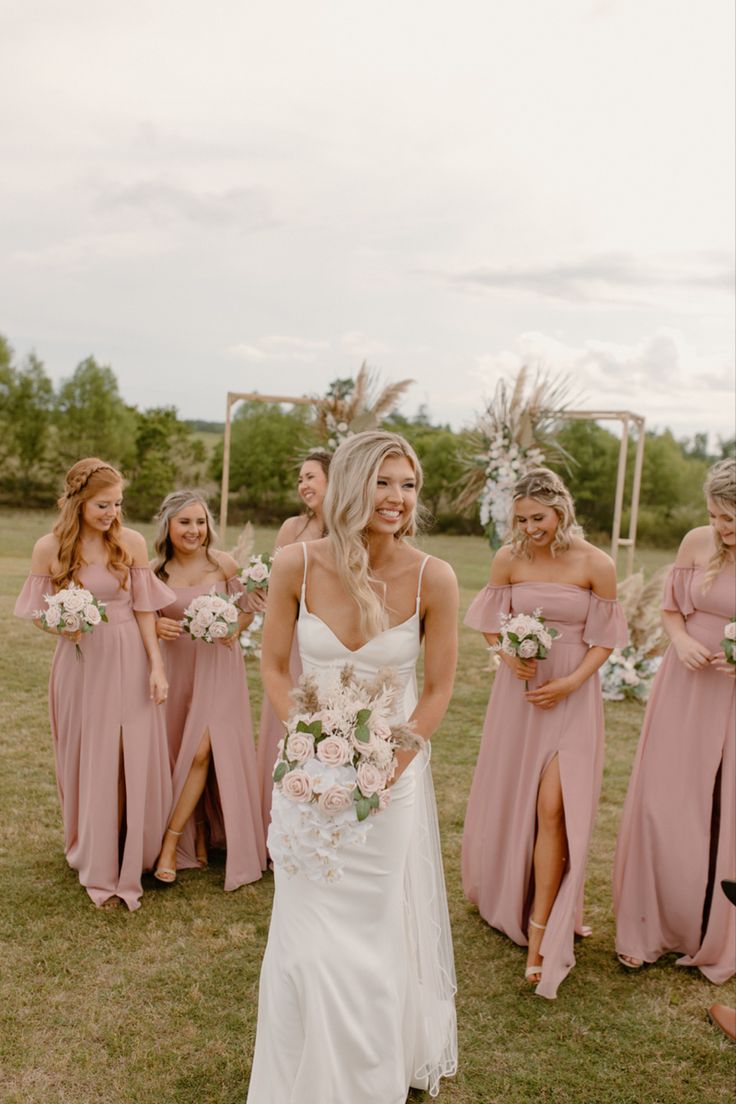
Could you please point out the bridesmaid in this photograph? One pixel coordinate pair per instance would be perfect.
(109, 733)
(311, 488)
(678, 832)
(208, 712)
(536, 784)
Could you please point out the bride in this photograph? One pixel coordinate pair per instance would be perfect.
(356, 999)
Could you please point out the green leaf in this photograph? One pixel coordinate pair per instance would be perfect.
(553, 633)
(373, 801)
(281, 770)
(513, 638)
(363, 808)
(362, 716)
(362, 733)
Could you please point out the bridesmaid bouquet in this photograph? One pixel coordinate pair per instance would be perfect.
(333, 770)
(526, 636)
(257, 573)
(72, 609)
(211, 617)
(729, 640)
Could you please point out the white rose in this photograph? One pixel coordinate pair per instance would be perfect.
(74, 601)
(72, 623)
(219, 630)
(230, 614)
(730, 630)
(92, 615)
(52, 616)
(544, 638)
(204, 617)
(528, 649)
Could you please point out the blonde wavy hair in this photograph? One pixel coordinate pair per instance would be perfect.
(172, 505)
(720, 488)
(348, 507)
(545, 486)
(83, 481)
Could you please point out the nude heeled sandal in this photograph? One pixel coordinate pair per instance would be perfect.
(531, 970)
(164, 873)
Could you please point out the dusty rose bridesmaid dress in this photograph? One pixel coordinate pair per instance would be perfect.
(95, 704)
(663, 856)
(208, 691)
(519, 741)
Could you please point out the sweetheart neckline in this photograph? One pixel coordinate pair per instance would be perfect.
(356, 651)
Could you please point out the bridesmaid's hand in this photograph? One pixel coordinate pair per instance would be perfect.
(167, 629)
(691, 653)
(721, 664)
(550, 693)
(254, 601)
(523, 668)
(227, 641)
(74, 637)
(158, 685)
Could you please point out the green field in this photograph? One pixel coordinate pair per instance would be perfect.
(158, 1006)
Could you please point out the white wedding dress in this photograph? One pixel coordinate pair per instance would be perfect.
(356, 1000)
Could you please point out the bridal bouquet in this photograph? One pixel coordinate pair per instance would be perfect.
(729, 640)
(335, 762)
(211, 617)
(72, 609)
(526, 636)
(257, 573)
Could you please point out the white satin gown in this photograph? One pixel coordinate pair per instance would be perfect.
(356, 1000)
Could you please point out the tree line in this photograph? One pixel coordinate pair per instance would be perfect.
(44, 429)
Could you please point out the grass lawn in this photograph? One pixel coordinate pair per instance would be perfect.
(159, 1006)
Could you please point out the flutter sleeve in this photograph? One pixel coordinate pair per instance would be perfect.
(234, 589)
(487, 608)
(30, 599)
(677, 586)
(148, 593)
(605, 625)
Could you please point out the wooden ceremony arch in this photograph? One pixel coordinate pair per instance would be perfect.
(626, 417)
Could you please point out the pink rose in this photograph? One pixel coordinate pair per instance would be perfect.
(297, 785)
(258, 572)
(528, 649)
(333, 751)
(230, 614)
(92, 615)
(74, 601)
(219, 630)
(52, 616)
(336, 799)
(72, 623)
(370, 779)
(300, 747)
(730, 631)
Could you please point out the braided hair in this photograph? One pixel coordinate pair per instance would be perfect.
(83, 481)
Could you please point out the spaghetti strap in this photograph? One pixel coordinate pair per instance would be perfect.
(304, 577)
(419, 582)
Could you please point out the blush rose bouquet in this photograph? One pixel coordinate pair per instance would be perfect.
(525, 636)
(728, 644)
(70, 610)
(334, 766)
(211, 617)
(257, 573)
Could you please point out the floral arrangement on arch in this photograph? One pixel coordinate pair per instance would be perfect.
(515, 433)
(351, 406)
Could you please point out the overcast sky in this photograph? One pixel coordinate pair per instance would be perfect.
(258, 196)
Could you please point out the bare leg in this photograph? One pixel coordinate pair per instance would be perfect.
(187, 803)
(550, 857)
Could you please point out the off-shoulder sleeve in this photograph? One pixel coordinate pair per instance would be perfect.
(676, 597)
(487, 608)
(234, 589)
(605, 625)
(148, 593)
(31, 597)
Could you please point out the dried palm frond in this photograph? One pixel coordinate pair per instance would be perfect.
(243, 549)
(641, 602)
(363, 408)
(528, 413)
